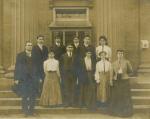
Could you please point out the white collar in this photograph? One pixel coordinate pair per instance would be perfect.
(28, 53)
(86, 45)
(40, 45)
(58, 44)
(87, 58)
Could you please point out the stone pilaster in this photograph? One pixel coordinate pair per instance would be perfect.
(2, 71)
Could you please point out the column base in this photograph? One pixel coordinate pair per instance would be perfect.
(10, 72)
(2, 70)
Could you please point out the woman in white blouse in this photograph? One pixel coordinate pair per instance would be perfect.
(103, 46)
(51, 93)
(103, 77)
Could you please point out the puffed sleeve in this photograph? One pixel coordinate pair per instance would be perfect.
(97, 76)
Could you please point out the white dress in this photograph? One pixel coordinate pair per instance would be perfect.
(51, 93)
(103, 77)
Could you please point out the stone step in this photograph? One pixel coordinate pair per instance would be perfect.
(6, 84)
(12, 101)
(144, 70)
(42, 110)
(142, 108)
(144, 66)
(141, 85)
(17, 101)
(134, 92)
(139, 100)
(7, 94)
(140, 92)
(4, 110)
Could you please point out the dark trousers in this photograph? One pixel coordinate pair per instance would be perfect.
(28, 104)
(88, 92)
(69, 89)
(83, 95)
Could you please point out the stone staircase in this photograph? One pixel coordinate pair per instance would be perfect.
(144, 69)
(10, 103)
(140, 91)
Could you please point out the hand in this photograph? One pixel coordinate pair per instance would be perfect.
(111, 83)
(77, 82)
(40, 81)
(16, 81)
(97, 81)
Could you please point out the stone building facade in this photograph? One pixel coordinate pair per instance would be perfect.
(124, 22)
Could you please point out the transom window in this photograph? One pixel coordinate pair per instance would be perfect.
(71, 14)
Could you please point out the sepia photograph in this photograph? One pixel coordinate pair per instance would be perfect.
(74, 59)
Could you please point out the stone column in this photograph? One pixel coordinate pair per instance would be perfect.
(17, 33)
(1, 39)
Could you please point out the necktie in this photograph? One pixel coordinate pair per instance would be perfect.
(120, 67)
(119, 64)
(102, 48)
(70, 54)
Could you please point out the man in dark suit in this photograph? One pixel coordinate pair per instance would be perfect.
(87, 83)
(87, 45)
(24, 77)
(68, 76)
(58, 48)
(77, 59)
(39, 54)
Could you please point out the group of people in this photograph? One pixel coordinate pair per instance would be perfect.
(75, 75)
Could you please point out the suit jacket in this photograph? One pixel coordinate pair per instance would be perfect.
(77, 50)
(39, 56)
(24, 72)
(77, 58)
(59, 51)
(91, 48)
(67, 66)
(126, 68)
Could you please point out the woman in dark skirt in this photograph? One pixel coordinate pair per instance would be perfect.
(121, 103)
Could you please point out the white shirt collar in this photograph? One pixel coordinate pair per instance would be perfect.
(58, 44)
(40, 46)
(69, 54)
(86, 45)
(28, 53)
(76, 44)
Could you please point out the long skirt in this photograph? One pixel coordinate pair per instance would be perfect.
(121, 103)
(103, 89)
(51, 93)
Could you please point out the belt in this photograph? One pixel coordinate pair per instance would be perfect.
(51, 71)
